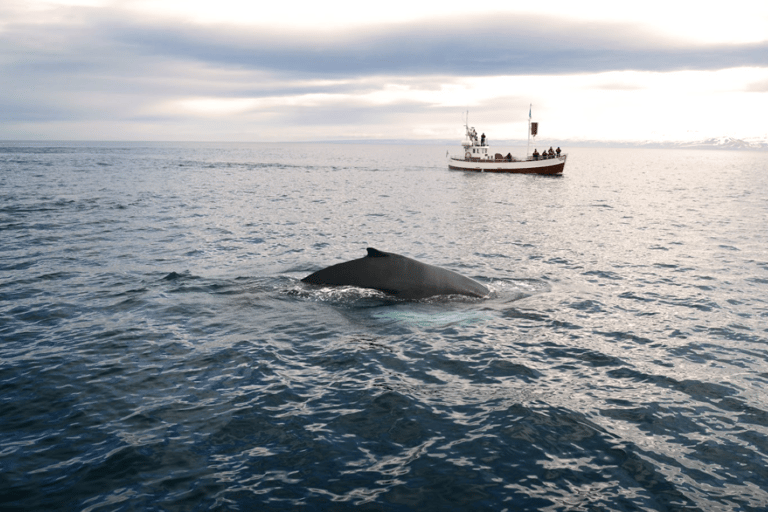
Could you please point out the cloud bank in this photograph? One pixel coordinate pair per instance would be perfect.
(99, 65)
(502, 45)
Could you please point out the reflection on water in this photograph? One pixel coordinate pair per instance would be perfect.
(160, 351)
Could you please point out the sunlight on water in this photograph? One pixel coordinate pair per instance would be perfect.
(160, 351)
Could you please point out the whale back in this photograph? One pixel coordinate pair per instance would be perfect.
(397, 275)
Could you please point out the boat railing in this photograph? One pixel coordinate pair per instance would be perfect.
(502, 158)
(544, 157)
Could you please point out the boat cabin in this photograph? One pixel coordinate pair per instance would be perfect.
(474, 146)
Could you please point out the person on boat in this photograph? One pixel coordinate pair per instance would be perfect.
(558, 151)
(482, 140)
(551, 152)
(535, 154)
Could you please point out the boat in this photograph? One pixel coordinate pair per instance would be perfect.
(477, 156)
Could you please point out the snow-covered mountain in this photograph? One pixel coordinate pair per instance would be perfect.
(725, 143)
(752, 143)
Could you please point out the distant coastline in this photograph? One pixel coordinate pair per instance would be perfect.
(723, 143)
(728, 143)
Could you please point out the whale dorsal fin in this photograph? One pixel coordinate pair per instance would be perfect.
(375, 253)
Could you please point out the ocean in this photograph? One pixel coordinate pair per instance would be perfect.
(158, 350)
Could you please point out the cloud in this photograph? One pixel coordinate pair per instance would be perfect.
(617, 86)
(111, 72)
(501, 46)
(757, 87)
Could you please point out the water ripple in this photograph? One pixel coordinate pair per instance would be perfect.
(160, 352)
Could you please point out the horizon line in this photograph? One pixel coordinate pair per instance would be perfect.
(708, 143)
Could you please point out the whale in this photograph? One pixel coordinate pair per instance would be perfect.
(397, 275)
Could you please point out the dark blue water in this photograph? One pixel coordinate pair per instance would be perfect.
(159, 352)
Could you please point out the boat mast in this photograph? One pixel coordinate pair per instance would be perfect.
(466, 124)
(528, 148)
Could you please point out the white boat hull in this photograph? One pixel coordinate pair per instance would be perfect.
(554, 165)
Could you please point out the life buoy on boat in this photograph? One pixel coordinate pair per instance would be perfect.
(467, 155)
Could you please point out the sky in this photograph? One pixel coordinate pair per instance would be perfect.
(283, 70)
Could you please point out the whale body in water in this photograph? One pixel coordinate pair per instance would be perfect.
(397, 275)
